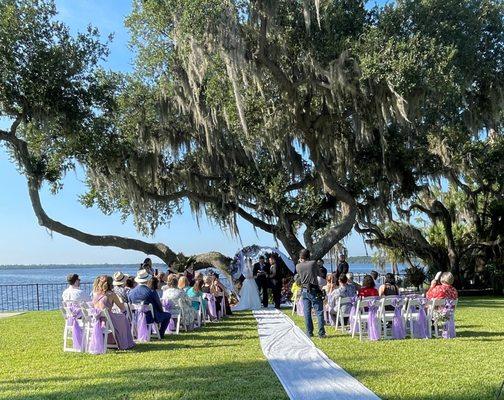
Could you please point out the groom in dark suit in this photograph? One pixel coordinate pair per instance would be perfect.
(261, 272)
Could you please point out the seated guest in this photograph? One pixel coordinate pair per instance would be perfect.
(73, 291)
(118, 286)
(154, 284)
(180, 300)
(375, 276)
(344, 290)
(129, 284)
(142, 293)
(105, 298)
(196, 291)
(389, 288)
(330, 286)
(443, 289)
(183, 283)
(351, 281)
(368, 287)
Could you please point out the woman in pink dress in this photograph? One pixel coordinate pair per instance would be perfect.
(104, 298)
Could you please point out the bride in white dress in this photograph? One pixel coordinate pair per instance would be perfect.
(249, 293)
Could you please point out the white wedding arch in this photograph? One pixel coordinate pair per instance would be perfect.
(254, 252)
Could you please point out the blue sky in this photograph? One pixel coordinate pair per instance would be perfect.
(23, 241)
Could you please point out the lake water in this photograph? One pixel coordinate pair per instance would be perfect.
(40, 287)
(87, 273)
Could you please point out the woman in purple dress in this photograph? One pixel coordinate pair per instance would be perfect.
(105, 298)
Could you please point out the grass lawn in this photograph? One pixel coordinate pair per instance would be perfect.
(468, 367)
(222, 361)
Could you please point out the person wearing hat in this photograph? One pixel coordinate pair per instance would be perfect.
(119, 288)
(142, 293)
(74, 292)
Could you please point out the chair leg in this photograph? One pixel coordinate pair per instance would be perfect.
(337, 321)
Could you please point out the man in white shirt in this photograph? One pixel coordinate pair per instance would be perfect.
(73, 292)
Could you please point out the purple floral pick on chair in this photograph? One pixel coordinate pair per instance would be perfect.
(446, 314)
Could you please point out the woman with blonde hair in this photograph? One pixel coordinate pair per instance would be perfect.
(183, 283)
(105, 298)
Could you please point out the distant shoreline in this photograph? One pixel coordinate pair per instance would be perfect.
(351, 260)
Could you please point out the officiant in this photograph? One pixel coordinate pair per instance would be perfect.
(261, 272)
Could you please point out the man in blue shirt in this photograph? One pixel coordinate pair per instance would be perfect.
(142, 293)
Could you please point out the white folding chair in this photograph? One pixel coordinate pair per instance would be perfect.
(432, 306)
(68, 315)
(151, 328)
(412, 312)
(362, 316)
(106, 330)
(386, 316)
(342, 312)
(200, 318)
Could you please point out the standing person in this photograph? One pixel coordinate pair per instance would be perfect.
(147, 265)
(249, 293)
(73, 292)
(343, 267)
(143, 293)
(275, 276)
(308, 272)
(261, 271)
(322, 279)
(189, 274)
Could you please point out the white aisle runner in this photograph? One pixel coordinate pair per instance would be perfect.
(305, 372)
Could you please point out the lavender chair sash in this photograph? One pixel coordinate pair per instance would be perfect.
(212, 309)
(398, 329)
(141, 323)
(373, 330)
(167, 305)
(353, 310)
(97, 341)
(300, 307)
(449, 326)
(75, 314)
(420, 326)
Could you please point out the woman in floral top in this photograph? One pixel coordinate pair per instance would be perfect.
(444, 289)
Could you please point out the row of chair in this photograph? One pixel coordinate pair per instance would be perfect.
(411, 310)
(80, 318)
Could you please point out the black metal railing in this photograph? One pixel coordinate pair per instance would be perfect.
(34, 296)
(47, 296)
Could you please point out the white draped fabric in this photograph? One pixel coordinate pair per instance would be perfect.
(305, 372)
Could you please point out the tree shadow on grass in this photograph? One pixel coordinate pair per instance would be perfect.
(233, 380)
